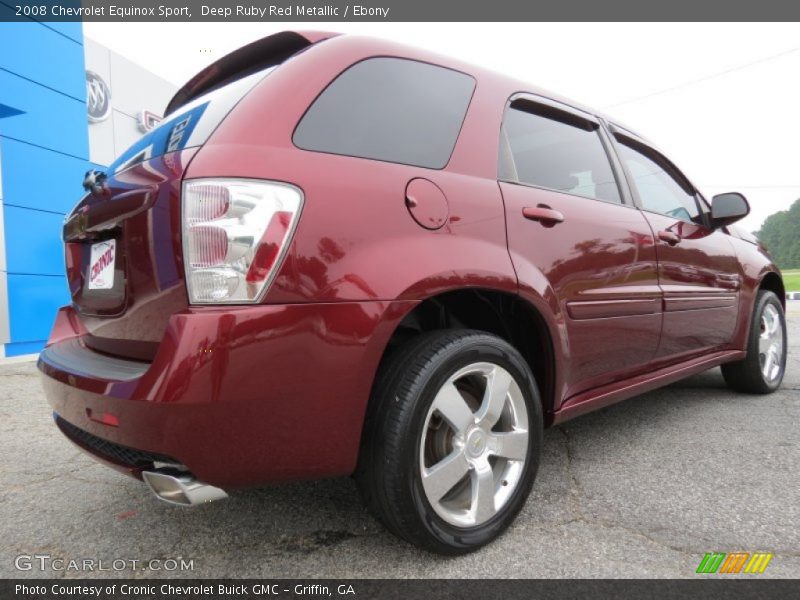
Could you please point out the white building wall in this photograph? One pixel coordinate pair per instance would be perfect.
(133, 90)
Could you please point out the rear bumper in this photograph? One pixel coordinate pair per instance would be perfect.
(240, 396)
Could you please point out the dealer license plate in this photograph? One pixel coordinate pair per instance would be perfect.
(101, 265)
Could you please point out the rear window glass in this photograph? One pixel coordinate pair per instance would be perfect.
(389, 109)
(192, 124)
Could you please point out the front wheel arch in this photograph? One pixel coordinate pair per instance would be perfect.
(774, 283)
(766, 341)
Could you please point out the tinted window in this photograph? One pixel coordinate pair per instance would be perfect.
(556, 154)
(389, 109)
(659, 190)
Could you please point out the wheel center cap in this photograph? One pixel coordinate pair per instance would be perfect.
(476, 443)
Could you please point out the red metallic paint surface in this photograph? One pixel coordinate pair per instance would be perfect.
(356, 239)
(278, 391)
(699, 276)
(243, 396)
(601, 253)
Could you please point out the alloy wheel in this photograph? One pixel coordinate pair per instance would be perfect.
(474, 444)
(770, 344)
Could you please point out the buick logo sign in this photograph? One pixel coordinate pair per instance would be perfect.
(98, 97)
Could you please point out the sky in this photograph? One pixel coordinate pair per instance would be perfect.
(720, 99)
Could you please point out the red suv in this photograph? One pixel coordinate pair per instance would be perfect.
(342, 256)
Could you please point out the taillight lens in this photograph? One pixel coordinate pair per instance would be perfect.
(235, 232)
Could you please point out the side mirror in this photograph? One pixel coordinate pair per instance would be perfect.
(728, 208)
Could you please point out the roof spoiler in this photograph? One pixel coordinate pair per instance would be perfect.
(261, 54)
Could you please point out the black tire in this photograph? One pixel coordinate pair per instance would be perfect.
(746, 375)
(389, 467)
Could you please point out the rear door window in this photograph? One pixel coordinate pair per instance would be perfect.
(545, 147)
(390, 109)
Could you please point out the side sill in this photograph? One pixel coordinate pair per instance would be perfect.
(612, 393)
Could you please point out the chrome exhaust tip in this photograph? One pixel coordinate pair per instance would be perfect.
(181, 488)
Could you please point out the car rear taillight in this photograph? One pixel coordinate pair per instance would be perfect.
(235, 232)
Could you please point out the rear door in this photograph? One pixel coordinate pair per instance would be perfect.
(577, 240)
(697, 266)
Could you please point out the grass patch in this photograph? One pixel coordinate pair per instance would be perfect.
(791, 280)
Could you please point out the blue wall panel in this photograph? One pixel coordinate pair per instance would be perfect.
(42, 75)
(43, 55)
(20, 348)
(37, 178)
(73, 30)
(33, 241)
(51, 120)
(33, 301)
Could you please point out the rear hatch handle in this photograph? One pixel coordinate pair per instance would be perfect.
(89, 219)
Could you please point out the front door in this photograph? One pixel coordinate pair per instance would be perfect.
(697, 266)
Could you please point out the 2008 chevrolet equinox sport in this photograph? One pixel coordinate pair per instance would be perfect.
(338, 255)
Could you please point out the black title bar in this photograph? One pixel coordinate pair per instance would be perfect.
(732, 588)
(397, 10)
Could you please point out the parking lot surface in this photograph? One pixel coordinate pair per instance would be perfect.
(640, 489)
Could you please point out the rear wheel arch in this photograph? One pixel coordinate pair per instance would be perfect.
(507, 315)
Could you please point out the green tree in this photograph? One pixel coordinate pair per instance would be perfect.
(781, 234)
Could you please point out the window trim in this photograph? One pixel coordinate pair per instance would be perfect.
(704, 204)
(380, 160)
(623, 184)
(591, 122)
(558, 111)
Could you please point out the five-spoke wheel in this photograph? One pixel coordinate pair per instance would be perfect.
(452, 440)
(770, 343)
(474, 444)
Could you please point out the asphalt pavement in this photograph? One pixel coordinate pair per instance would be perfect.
(640, 489)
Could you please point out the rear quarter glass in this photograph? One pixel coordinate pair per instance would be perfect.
(389, 109)
(191, 126)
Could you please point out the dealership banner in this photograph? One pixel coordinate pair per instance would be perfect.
(397, 10)
(362, 589)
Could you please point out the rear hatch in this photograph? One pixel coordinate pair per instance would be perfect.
(123, 257)
(123, 239)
